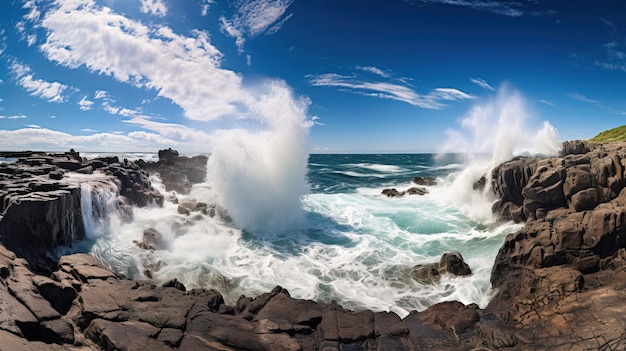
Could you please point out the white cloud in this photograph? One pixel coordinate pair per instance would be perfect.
(374, 70)
(482, 83)
(205, 7)
(254, 17)
(36, 126)
(100, 94)
(547, 102)
(50, 91)
(20, 116)
(88, 130)
(185, 70)
(582, 98)
(155, 7)
(615, 59)
(46, 139)
(390, 90)
(505, 8)
(34, 12)
(85, 104)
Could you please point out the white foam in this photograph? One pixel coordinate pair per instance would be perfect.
(379, 167)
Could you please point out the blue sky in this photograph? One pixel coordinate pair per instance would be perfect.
(376, 76)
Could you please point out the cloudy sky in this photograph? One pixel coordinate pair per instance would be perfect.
(377, 76)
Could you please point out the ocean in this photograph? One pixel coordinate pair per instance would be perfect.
(345, 242)
(318, 225)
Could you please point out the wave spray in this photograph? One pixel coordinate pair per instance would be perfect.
(260, 176)
(491, 133)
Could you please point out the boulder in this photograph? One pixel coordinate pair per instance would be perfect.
(451, 263)
(425, 181)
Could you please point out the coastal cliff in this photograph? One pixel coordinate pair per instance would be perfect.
(560, 280)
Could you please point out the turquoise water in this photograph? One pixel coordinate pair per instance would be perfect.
(351, 244)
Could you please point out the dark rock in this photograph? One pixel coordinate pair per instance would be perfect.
(574, 147)
(452, 263)
(178, 173)
(168, 156)
(392, 193)
(152, 240)
(175, 284)
(417, 191)
(85, 170)
(70, 165)
(425, 181)
(480, 184)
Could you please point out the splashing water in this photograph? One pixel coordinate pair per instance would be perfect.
(492, 133)
(260, 177)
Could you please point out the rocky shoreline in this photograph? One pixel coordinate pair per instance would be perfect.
(560, 279)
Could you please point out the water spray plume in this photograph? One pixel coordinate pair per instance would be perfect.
(493, 132)
(260, 176)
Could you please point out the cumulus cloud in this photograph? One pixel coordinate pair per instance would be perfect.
(46, 139)
(50, 91)
(398, 91)
(205, 7)
(154, 7)
(482, 83)
(184, 69)
(85, 104)
(254, 17)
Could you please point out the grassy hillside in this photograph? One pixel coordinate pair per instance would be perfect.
(615, 134)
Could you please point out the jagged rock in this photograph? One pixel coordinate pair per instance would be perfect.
(36, 222)
(152, 240)
(411, 191)
(178, 173)
(168, 156)
(70, 165)
(574, 147)
(452, 263)
(425, 181)
(417, 191)
(392, 193)
(480, 184)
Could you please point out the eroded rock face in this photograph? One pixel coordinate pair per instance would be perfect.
(178, 173)
(40, 203)
(569, 260)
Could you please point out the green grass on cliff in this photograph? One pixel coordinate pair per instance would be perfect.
(615, 134)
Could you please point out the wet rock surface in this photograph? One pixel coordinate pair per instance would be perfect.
(40, 199)
(178, 173)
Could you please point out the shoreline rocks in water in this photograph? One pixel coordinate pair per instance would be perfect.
(424, 181)
(560, 281)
